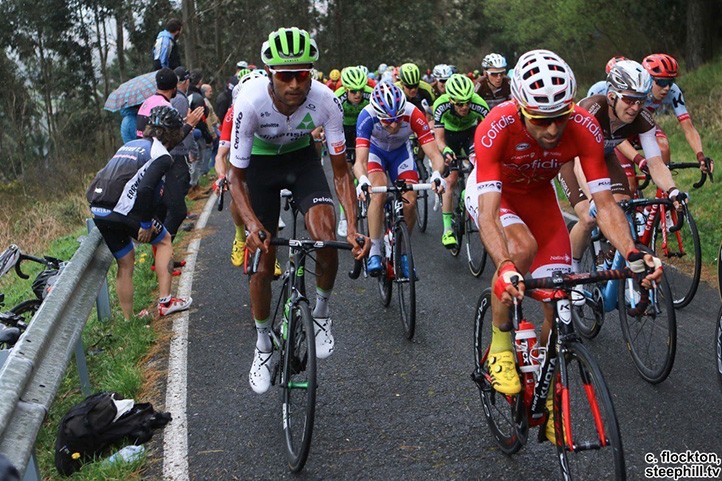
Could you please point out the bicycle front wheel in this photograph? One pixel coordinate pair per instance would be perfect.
(299, 385)
(682, 259)
(422, 199)
(588, 442)
(504, 414)
(475, 251)
(718, 346)
(405, 278)
(649, 326)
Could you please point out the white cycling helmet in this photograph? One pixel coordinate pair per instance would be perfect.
(493, 60)
(629, 76)
(543, 83)
(249, 76)
(382, 68)
(364, 69)
(442, 72)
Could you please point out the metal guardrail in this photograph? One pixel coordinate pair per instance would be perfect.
(31, 376)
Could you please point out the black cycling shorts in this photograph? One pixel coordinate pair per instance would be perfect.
(460, 141)
(299, 171)
(119, 230)
(570, 184)
(349, 132)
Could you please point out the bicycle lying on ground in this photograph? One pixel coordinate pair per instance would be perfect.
(647, 316)
(14, 321)
(292, 336)
(588, 442)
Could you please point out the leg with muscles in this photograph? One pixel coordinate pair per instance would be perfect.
(239, 240)
(167, 304)
(124, 283)
(448, 239)
(376, 223)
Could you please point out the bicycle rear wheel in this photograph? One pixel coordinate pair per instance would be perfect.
(683, 264)
(588, 442)
(589, 316)
(299, 385)
(422, 199)
(649, 328)
(475, 251)
(504, 414)
(405, 279)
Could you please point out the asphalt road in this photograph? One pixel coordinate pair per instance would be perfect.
(390, 409)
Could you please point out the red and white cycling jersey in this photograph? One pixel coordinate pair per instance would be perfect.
(226, 128)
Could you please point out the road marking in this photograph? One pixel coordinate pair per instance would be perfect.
(175, 434)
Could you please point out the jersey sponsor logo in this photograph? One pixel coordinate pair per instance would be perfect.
(491, 186)
(678, 100)
(594, 108)
(266, 126)
(589, 123)
(338, 147)
(265, 114)
(306, 123)
(322, 200)
(522, 146)
(487, 140)
(311, 107)
(237, 140)
(565, 258)
(338, 104)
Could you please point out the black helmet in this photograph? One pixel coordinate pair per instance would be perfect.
(166, 117)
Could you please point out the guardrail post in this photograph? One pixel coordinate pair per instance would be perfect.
(32, 473)
(82, 367)
(102, 303)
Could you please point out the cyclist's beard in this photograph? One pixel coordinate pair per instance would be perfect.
(292, 103)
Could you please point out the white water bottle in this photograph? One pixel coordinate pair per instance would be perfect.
(128, 454)
(640, 221)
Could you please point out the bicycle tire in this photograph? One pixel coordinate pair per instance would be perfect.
(589, 317)
(27, 309)
(475, 251)
(362, 227)
(718, 346)
(683, 287)
(589, 445)
(405, 285)
(422, 199)
(299, 385)
(504, 414)
(719, 270)
(651, 336)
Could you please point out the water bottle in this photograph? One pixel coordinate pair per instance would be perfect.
(128, 454)
(526, 341)
(640, 219)
(670, 222)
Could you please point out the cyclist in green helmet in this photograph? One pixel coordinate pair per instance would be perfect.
(272, 149)
(416, 90)
(354, 95)
(456, 114)
(242, 73)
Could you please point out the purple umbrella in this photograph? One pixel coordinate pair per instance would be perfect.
(132, 93)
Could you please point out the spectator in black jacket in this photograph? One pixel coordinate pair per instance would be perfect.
(225, 98)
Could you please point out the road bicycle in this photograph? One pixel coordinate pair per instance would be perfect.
(679, 248)
(588, 441)
(397, 259)
(647, 316)
(15, 321)
(423, 167)
(462, 223)
(292, 336)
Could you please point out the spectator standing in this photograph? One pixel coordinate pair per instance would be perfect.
(129, 123)
(165, 50)
(202, 136)
(225, 98)
(213, 124)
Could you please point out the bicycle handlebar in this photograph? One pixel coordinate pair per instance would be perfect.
(562, 281)
(221, 190)
(630, 205)
(47, 261)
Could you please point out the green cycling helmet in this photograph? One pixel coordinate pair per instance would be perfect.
(353, 78)
(410, 74)
(460, 88)
(241, 73)
(289, 46)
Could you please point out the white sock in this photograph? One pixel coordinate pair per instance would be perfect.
(263, 341)
(576, 265)
(375, 247)
(164, 300)
(321, 309)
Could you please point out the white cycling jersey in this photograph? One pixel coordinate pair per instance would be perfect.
(260, 129)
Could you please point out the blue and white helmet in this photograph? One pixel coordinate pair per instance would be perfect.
(388, 101)
(442, 72)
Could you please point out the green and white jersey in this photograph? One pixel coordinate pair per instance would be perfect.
(351, 111)
(259, 129)
(445, 117)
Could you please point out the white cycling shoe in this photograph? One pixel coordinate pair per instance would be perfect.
(260, 375)
(324, 338)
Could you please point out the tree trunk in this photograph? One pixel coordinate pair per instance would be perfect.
(189, 33)
(699, 15)
(120, 43)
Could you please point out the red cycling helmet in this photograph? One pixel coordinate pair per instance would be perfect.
(661, 65)
(613, 61)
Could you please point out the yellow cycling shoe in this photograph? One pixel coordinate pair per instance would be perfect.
(237, 252)
(277, 270)
(504, 378)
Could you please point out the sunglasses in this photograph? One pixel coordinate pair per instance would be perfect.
(354, 91)
(443, 80)
(392, 120)
(288, 75)
(541, 121)
(664, 82)
(632, 100)
(459, 104)
(495, 74)
(411, 87)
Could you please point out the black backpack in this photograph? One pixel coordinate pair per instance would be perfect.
(87, 430)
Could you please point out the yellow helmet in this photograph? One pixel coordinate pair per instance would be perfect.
(334, 75)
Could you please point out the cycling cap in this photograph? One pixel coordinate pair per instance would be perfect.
(543, 83)
(335, 74)
(628, 75)
(353, 78)
(388, 101)
(612, 62)
(166, 117)
(410, 74)
(288, 46)
(242, 64)
(460, 88)
(661, 65)
(442, 72)
(242, 72)
(493, 60)
(253, 74)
